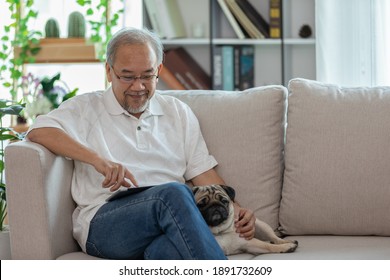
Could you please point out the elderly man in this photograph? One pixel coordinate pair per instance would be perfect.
(128, 136)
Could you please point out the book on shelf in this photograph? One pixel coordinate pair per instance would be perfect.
(237, 53)
(165, 18)
(247, 67)
(170, 80)
(235, 67)
(185, 68)
(151, 9)
(255, 17)
(244, 20)
(232, 20)
(228, 67)
(217, 69)
(275, 19)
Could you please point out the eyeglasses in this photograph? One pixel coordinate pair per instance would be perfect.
(146, 78)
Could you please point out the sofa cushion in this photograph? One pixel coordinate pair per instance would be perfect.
(337, 160)
(329, 247)
(244, 132)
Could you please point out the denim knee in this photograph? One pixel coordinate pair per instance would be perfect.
(176, 190)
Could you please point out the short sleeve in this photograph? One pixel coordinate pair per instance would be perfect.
(198, 158)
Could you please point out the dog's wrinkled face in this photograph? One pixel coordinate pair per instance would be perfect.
(213, 202)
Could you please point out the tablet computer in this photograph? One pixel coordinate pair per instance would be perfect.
(127, 192)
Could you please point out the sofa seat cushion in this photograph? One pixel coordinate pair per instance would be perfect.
(79, 255)
(337, 160)
(327, 247)
(244, 131)
(310, 248)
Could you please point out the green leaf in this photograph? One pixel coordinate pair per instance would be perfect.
(34, 41)
(30, 59)
(7, 137)
(4, 103)
(12, 110)
(48, 83)
(5, 47)
(29, 3)
(70, 95)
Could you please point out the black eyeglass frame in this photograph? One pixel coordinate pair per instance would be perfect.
(144, 79)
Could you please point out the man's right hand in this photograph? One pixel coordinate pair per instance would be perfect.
(115, 175)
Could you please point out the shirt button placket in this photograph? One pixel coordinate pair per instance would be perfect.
(141, 141)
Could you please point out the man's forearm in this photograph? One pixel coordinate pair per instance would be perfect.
(207, 178)
(60, 143)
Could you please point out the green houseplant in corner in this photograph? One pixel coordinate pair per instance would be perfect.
(101, 30)
(18, 38)
(7, 107)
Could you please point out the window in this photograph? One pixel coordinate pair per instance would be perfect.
(86, 77)
(353, 42)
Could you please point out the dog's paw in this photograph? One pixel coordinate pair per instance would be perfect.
(293, 246)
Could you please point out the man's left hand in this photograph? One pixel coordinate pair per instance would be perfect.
(245, 223)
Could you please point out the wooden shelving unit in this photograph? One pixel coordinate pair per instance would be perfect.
(65, 50)
(276, 60)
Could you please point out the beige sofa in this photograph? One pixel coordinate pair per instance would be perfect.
(324, 181)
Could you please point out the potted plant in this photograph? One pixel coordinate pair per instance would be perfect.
(7, 107)
(43, 95)
(18, 36)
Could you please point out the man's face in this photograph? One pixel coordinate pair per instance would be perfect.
(139, 62)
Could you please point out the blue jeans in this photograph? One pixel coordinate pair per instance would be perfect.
(159, 223)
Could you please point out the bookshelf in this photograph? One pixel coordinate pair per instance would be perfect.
(276, 60)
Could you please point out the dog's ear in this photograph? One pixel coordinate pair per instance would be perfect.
(194, 190)
(230, 192)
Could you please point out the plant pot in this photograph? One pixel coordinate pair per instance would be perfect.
(5, 247)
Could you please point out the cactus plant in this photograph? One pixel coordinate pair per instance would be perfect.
(52, 29)
(76, 25)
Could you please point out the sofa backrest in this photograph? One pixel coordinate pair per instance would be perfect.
(244, 131)
(337, 160)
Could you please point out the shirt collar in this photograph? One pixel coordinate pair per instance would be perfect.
(114, 108)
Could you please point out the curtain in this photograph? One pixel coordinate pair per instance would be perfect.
(353, 45)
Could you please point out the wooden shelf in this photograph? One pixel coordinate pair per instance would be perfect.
(186, 41)
(259, 42)
(65, 50)
(233, 41)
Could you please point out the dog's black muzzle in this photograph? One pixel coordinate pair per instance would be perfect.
(215, 214)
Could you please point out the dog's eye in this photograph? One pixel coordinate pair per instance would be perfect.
(203, 202)
(222, 199)
(225, 201)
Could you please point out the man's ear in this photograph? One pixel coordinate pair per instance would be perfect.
(159, 69)
(108, 71)
(230, 192)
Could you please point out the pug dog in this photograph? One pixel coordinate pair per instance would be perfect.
(215, 203)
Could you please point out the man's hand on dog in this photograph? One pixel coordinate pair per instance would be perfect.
(245, 222)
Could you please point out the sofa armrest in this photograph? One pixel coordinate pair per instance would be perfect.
(40, 204)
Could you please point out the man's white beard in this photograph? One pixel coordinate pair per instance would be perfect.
(137, 110)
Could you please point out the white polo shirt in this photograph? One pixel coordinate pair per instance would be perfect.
(164, 145)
